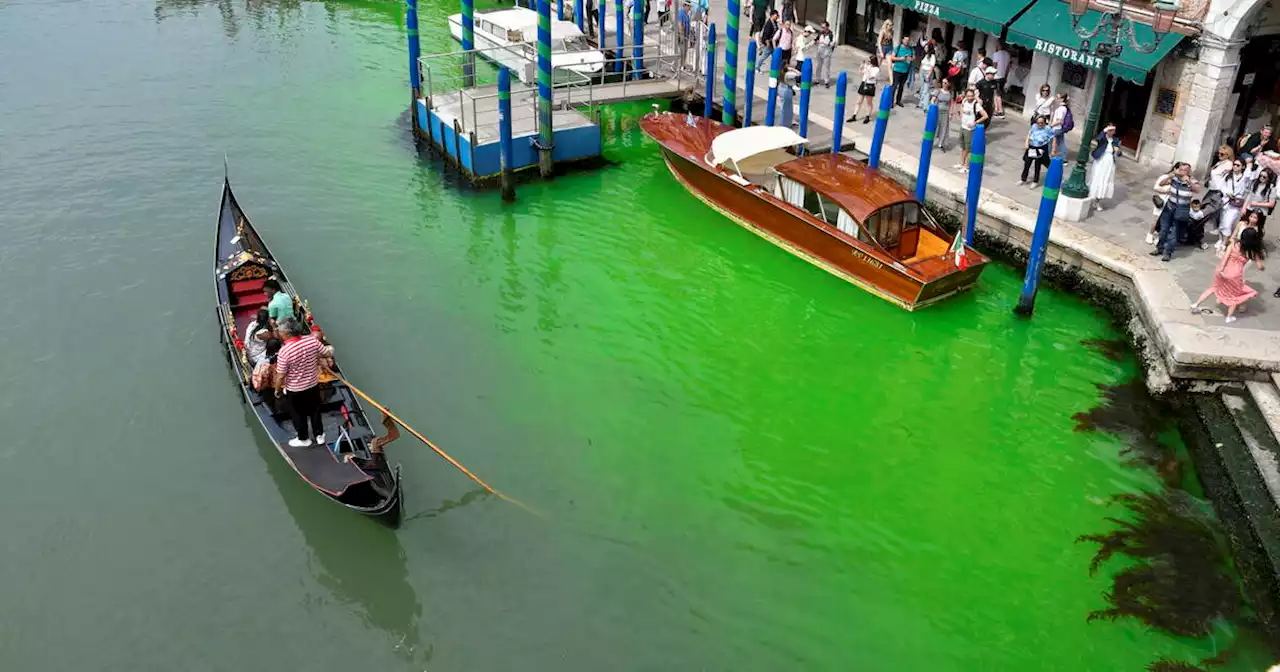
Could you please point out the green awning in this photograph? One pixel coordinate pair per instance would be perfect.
(989, 16)
(1047, 27)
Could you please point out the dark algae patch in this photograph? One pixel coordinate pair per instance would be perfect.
(1128, 410)
(1173, 562)
(1180, 578)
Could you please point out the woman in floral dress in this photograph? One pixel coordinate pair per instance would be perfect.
(1228, 279)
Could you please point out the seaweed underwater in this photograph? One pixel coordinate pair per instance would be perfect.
(1177, 571)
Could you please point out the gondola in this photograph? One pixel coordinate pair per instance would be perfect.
(345, 470)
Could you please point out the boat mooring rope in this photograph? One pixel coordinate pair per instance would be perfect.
(439, 452)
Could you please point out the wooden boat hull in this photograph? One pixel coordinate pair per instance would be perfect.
(370, 487)
(799, 233)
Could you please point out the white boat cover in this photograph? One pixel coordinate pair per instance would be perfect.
(740, 144)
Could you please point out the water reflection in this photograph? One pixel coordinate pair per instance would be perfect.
(360, 561)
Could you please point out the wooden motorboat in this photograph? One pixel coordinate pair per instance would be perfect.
(345, 470)
(828, 209)
(509, 38)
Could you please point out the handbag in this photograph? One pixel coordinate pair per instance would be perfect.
(866, 89)
(953, 71)
(1035, 152)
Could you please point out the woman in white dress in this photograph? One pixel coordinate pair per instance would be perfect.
(1102, 182)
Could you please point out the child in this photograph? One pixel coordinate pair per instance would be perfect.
(1228, 278)
(1195, 227)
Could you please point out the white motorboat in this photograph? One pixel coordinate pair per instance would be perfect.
(509, 38)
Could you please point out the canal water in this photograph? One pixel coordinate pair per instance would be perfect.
(744, 464)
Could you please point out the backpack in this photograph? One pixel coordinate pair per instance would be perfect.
(1068, 122)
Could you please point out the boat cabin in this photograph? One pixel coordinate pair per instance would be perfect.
(863, 204)
(521, 25)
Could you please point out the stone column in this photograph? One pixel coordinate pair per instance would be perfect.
(1205, 107)
(835, 16)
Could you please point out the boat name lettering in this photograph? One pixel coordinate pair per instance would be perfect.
(867, 258)
(1069, 54)
(926, 8)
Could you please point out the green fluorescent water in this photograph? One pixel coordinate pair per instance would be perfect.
(745, 463)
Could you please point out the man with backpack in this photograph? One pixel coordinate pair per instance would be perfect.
(1062, 123)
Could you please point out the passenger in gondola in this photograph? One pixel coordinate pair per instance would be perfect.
(264, 375)
(298, 370)
(256, 336)
(279, 303)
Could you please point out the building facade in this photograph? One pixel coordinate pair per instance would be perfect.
(1177, 103)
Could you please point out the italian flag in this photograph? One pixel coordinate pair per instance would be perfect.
(957, 248)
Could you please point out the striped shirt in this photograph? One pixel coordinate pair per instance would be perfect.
(298, 363)
(1180, 192)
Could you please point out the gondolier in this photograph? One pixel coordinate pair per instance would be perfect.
(298, 368)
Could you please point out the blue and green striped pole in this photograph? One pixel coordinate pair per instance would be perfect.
(637, 40)
(1040, 239)
(775, 65)
(882, 125)
(710, 95)
(504, 132)
(468, 43)
(545, 136)
(577, 14)
(730, 112)
(750, 85)
(415, 51)
(618, 64)
(560, 10)
(926, 151)
(837, 132)
(806, 84)
(977, 158)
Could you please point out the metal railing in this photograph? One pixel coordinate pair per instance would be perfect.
(456, 78)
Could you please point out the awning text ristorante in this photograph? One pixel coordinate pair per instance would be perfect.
(1068, 54)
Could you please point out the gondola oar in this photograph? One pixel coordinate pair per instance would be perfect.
(439, 452)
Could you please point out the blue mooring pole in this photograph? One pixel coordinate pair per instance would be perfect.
(1040, 239)
(774, 66)
(750, 85)
(977, 157)
(729, 113)
(837, 133)
(504, 132)
(577, 15)
(882, 125)
(710, 95)
(546, 136)
(637, 41)
(415, 51)
(619, 65)
(559, 10)
(604, 4)
(806, 83)
(468, 44)
(926, 151)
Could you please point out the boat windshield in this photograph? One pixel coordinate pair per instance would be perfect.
(888, 223)
(576, 43)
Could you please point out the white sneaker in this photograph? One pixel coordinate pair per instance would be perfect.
(1098, 205)
(1204, 245)
(1151, 238)
(1230, 319)
(299, 443)
(320, 438)
(1195, 308)
(958, 166)
(1021, 182)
